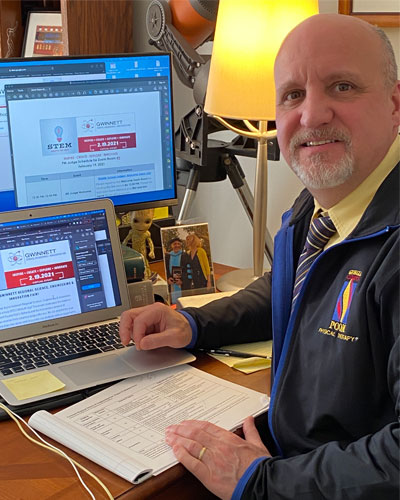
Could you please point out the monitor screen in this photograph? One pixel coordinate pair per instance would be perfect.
(80, 128)
(55, 266)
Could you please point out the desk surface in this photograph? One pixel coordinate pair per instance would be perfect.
(28, 472)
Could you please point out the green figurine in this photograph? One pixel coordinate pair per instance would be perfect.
(140, 237)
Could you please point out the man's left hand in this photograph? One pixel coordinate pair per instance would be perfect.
(225, 456)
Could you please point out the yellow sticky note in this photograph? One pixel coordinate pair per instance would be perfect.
(247, 365)
(33, 384)
(250, 365)
(160, 213)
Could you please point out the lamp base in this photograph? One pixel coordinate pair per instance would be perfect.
(236, 280)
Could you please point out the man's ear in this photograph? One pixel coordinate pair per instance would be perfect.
(396, 104)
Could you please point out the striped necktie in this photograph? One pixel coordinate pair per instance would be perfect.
(321, 231)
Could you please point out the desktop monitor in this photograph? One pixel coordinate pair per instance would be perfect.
(85, 127)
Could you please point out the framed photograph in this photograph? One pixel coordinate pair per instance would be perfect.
(187, 260)
(43, 35)
(384, 13)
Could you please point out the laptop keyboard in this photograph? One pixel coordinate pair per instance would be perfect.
(24, 356)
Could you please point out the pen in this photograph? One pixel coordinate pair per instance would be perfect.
(238, 354)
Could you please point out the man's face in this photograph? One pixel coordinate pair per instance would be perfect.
(336, 119)
(176, 246)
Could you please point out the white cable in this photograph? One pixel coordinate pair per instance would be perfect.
(48, 445)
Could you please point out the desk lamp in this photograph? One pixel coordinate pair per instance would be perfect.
(247, 38)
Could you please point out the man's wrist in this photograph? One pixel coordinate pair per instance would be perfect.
(193, 326)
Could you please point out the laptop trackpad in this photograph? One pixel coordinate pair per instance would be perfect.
(126, 363)
(96, 370)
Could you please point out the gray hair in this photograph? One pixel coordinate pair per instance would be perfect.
(389, 62)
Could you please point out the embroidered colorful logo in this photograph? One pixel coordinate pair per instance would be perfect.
(346, 296)
(343, 303)
(338, 324)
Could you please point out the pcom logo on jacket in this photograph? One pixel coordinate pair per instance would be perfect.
(338, 324)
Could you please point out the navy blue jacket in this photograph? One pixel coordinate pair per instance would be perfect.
(333, 422)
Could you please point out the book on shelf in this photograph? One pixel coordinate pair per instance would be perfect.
(122, 428)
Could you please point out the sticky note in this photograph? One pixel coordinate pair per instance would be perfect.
(33, 384)
(160, 213)
(247, 365)
(250, 365)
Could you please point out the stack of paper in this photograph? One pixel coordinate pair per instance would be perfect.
(122, 428)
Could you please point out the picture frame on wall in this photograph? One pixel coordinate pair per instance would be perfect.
(385, 13)
(43, 35)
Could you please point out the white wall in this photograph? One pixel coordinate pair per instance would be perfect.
(217, 203)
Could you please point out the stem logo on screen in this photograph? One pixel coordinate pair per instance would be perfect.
(58, 136)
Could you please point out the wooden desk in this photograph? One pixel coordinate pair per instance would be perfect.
(28, 472)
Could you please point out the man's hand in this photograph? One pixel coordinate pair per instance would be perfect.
(153, 326)
(226, 455)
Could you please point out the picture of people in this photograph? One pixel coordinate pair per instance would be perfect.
(187, 259)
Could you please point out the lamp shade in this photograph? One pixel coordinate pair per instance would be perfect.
(247, 38)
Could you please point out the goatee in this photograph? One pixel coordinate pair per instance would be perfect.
(319, 172)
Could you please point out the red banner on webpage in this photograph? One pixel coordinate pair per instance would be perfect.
(37, 275)
(106, 142)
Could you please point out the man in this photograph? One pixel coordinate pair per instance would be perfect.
(335, 399)
(177, 268)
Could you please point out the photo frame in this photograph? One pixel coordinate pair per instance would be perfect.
(387, 16)
(43, 35)
(187, 260)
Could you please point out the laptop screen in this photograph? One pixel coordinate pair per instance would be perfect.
(56, 266)
(86, 127)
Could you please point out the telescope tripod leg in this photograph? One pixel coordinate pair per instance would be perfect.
(239, 183)
(190, 194)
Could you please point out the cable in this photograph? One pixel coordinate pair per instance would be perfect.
(75, 465)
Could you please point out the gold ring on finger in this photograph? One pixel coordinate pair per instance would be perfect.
(202, 451)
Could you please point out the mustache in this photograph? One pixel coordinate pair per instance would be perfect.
(319, 134)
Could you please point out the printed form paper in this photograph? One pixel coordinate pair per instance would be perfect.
(129, 419)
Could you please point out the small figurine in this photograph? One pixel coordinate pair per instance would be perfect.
(139, 235)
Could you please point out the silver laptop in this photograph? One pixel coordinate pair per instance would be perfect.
(62, 290)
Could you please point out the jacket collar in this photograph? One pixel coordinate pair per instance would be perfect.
(383, 211)
(303, 206)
